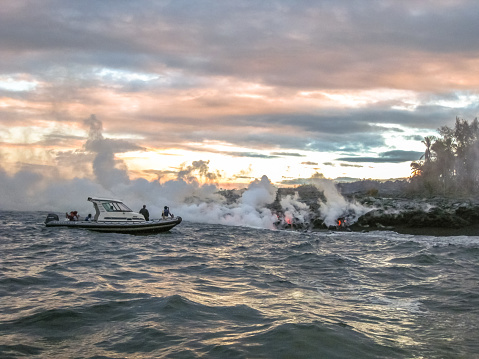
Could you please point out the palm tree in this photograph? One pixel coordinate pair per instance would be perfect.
(416, 169)
(444, 150)
(428, 143)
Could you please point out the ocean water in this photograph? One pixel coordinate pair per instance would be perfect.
(213, 291)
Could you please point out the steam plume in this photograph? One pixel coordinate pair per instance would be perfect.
(186, 196)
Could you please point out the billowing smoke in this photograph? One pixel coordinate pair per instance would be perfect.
(108, 170)
(198, 168)
(249, 210)
(336, 205)
(193, 195)
(295, 211)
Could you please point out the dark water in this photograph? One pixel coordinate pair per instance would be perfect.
(214, 291)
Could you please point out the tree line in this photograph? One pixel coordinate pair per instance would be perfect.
(450, 163)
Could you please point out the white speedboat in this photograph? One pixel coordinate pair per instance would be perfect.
(112, 215)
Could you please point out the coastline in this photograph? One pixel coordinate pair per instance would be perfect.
(437, 216)
(385, 210)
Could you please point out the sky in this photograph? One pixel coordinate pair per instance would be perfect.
(224, 92)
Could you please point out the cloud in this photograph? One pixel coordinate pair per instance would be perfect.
(414, 137)
(273, 77)
(198, 169)
(249, 154)
(395, 156)
(336, 44)
(58, 139)
(287, 154)
(349, 165)
(244, 173)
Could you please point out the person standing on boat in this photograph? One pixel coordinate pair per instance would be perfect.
(145, 213)
(166, 212)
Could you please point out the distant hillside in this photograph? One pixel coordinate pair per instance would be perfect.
(392, 188)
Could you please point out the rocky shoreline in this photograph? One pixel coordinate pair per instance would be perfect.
(438, 216)
(360, 207)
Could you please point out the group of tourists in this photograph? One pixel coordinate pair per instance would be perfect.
(75, 216)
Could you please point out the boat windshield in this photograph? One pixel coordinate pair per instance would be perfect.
(115, 207)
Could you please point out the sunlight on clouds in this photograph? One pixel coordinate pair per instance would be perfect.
(406, 106)
(231, 161)
(253, 90)
(382, 171)
(277, 169)
(165, 78)
(40, 131)
(24, 135)
(402, 138)
(125, 76)
(11, 84)
(458, 100)
(368, 97)
(228, 164)
(241, 97)
(124, 136)
(220, 146)
(461, 101)
(24, 106)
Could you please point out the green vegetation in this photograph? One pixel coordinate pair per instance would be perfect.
(450, 163)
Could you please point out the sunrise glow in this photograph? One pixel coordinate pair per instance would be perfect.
(300, 91)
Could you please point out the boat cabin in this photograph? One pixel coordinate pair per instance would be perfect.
(113, 210)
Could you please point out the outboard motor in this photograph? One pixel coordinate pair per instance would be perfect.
(51, 217)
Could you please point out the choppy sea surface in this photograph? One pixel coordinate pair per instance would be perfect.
(213, 291)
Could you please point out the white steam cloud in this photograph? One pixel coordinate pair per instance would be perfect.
(105, 166)
(30, 191)
(336, 205)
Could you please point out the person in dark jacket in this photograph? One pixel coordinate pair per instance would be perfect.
(145, 213)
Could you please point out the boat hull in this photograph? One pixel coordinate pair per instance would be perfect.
(144, 227)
